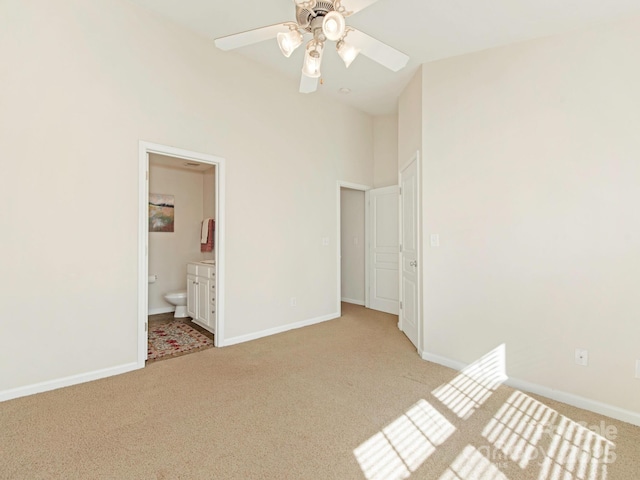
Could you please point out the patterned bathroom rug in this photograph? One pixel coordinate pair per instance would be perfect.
(174, 338)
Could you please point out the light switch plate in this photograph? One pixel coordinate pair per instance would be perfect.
(434, 239)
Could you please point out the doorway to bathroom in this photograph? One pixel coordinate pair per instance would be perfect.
(181, 220)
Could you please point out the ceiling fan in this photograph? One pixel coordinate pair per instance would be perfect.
(319, 21)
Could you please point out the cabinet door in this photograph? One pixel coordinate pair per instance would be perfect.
(192, 296)
(203, 300)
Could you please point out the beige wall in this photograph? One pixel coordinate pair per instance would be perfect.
(385, 150)
(531, 169)
(82, 84)
(410, 121)
(169, 252)
(209, 194)
(352, 248)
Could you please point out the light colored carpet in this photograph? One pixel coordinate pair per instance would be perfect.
(346, 399)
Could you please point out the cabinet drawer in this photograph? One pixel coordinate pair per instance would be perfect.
(209, 272)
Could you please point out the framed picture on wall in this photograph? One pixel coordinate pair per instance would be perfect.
(161, 212)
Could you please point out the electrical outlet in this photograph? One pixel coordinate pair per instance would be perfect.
(294, 303)
(638, 368)
(582, 357)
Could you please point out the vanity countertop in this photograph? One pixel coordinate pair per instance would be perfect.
(205, 262)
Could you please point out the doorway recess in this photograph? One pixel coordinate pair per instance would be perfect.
(145, 149)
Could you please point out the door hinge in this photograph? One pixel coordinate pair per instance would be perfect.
(400, 305)
(147, 174)
(400, 248)
(146, 327)
(400, 191)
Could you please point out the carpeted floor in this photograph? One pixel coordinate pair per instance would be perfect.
(345, 399)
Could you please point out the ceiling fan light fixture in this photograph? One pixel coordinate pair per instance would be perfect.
(321, 20)
(289, 41)
(312, 60)
(347, 52)
(333, 26)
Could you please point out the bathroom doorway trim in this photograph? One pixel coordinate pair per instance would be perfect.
(147, 148)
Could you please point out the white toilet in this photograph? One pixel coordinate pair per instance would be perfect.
(179, 299)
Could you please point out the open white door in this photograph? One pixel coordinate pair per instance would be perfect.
(383, 249)
(409, 253)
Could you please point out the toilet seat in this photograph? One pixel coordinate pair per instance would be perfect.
(177, 294)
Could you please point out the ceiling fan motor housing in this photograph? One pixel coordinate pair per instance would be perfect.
(305, 16)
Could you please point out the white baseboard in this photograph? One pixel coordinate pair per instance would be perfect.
(444, 361)
(156, 311)
(558, 395)
(276, 330)
(577, 401)
(351, 300)
(67, 381)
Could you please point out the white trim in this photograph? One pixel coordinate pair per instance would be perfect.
(66, 381)
(367, 248)
(354, 186)
(143, 251)
(421, 320)
(444, 361)
(352, 300)
(364, 188)
(558, 395)
(145, 148)
(577, 401)
(283, 328)
(157, 311)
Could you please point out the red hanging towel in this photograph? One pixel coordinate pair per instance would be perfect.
(208, 246)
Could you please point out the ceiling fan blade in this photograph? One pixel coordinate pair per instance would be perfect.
(308, 84)
(243, 39)
(354, 6)
(376, 50)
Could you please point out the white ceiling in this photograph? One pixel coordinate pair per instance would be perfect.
(178, 163)
(426, 30)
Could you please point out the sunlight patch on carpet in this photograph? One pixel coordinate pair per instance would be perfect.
(475, 384)
(402, 446)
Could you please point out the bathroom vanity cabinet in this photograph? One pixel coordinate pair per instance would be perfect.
(201, 294)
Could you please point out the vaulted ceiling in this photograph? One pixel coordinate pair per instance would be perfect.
(426, 30)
